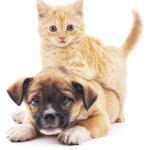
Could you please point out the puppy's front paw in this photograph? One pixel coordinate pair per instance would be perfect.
(19, 116)
(74, 136)
(21, 133)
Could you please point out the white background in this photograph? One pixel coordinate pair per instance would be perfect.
(110, 21)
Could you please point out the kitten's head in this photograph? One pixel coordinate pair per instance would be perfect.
(61, 26)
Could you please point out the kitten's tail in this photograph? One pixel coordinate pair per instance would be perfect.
(134, 35)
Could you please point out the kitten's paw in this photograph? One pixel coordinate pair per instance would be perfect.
(120, 119)
(21, 133)
(74, 136)
(19, 116)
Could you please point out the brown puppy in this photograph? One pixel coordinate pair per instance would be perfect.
(59, 101)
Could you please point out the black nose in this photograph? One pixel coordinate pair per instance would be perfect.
(49, 118)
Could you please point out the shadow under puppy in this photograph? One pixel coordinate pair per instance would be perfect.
(60, 102)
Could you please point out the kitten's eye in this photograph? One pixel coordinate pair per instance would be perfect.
(70, 27)
(53, 28)
(64, 100)
(35, 102)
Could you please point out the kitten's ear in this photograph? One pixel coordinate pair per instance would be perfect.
(42, 9)
(78, 8)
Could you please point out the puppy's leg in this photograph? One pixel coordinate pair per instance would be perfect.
(96, 126)
(19, 116)
(74, 136)
(22, 132)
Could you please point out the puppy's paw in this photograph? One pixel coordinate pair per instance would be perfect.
(19, 116)
(21, 133)
(74, 136)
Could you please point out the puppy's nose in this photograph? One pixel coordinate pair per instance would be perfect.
(49, 118)
(62, 38)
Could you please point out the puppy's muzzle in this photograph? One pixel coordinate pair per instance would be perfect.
(49, 118)
(52, 123)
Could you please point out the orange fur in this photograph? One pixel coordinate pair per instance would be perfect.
(81, 53)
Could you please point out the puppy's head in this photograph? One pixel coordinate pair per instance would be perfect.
(54, 98)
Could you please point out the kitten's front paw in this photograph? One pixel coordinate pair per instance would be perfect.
(74, 136)
(21, 133)
(19, 116)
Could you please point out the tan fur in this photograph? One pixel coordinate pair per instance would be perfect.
(96, 120)
(81, 53)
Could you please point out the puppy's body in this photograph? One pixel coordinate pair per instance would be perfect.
(56, 98)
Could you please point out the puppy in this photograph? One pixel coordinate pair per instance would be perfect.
(60, 102)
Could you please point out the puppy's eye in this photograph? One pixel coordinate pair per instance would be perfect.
(53, 28)
(35, 102)
(70, 27)
(64, 100)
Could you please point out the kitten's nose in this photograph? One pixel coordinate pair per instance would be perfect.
(62, 38)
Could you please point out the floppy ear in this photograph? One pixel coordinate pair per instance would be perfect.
(18, 89)
(87, 91)
(42, 9)
(78, 8)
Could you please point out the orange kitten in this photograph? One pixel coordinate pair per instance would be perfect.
(64, 42)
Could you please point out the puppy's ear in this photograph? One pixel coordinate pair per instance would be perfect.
(87, 91)
(18, 89)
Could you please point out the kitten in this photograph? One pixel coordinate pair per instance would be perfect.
(64, 42)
